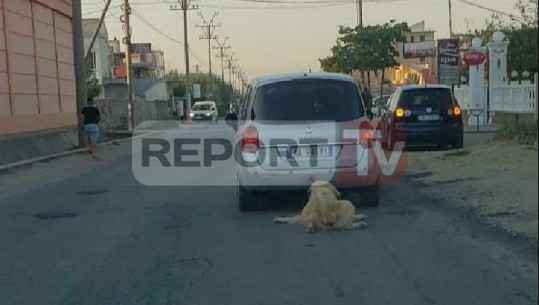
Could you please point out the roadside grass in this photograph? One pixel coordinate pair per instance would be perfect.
(523, 133)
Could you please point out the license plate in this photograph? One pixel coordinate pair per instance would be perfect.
(307, 152)
(429, 117)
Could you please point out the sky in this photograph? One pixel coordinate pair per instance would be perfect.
(282, 36)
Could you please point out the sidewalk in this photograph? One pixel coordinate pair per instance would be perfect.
(107, 138)
(482, 129)
(496, 181)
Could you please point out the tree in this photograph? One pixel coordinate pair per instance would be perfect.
(367, 49)
(527, 19)
(522, 50)
(93, 89)
(521, 32)
(222, 93)
(330, 64)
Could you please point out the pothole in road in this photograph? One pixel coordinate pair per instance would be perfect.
(94, 192)
(54, 215)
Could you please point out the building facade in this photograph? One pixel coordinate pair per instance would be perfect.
(417, 55)
(100, 53)
(37, 75)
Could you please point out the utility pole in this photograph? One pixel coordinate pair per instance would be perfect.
(233, 82)
(221, 47)
(450, 21)
(96, 31)
(128, 70)
(197, 67)
(80, 65)
(185, 5)
(230, 66)
(230, 61)
(359, 4)
(208, 29)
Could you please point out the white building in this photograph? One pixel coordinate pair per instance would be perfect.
(100, 53)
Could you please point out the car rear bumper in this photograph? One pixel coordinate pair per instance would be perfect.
(259, 179)
(204, 118)
(440, 134)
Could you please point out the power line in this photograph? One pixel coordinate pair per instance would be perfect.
(490, 9)
(272, 7)
(295, 2)
(208, 29)
(100, 10)
(111, 14)
(157, 30)
(221, 47)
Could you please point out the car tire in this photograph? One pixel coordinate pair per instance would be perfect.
(369, 196)
(246, 199)
(457, 142)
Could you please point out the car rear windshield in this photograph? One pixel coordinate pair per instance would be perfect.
(308, 99)
(426, 96)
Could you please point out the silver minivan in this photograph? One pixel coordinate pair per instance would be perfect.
(297, 127)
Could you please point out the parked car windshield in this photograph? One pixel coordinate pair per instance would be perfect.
(426, 96)
(308, 99)
(201, 107)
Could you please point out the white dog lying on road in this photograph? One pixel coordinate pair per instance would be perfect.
(325, 211)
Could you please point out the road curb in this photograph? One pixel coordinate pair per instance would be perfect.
(10, 166)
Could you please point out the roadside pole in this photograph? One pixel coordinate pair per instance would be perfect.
(536, 83)
(80, 65)
(96, 31)
(128, 71)
(185, 5)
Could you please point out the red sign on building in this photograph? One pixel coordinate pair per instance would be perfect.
(474, 58)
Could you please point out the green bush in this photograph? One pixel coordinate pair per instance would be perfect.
(523, 133)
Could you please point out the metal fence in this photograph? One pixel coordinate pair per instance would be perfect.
(517, 98)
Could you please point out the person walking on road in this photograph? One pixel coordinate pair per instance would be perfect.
(365, 95)
(91, 129)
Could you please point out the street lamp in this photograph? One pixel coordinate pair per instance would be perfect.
(525, 74)
(514, 74)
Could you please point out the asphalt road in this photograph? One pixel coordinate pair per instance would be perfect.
(74, 231)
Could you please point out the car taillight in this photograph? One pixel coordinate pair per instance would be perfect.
(455, 110)
(366, 134)
(249, 141)
(400, 113)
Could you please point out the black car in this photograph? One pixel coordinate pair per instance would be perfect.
(422, 115)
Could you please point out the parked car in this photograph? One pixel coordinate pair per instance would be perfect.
(204, 110)
(313, 104)
(378, 104)
(422, 115)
